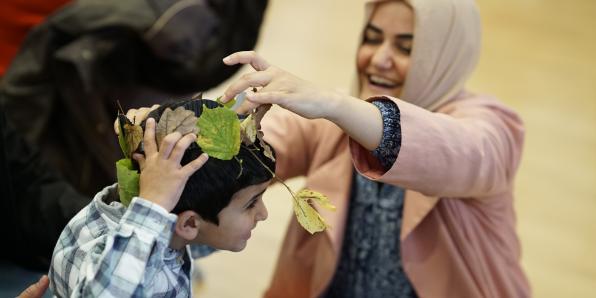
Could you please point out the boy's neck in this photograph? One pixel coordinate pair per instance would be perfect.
(178, 242)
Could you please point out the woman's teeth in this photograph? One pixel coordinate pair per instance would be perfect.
(382, 82)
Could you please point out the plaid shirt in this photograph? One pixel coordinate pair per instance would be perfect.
(114, 251)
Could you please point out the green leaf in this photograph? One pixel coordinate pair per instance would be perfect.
(228, 104)
(128, 181)
(219, 133)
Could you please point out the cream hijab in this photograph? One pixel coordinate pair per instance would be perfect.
(446, 47)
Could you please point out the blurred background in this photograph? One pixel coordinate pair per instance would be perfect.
(538, 57)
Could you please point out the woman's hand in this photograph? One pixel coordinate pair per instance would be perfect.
(359, 119)
(162, 178)
(278, 87)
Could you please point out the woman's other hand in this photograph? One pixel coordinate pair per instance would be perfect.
(37, 289)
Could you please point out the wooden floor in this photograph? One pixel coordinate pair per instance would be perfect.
(539, 57)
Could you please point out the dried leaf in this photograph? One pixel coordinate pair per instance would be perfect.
(248, 130)
(133, 136)
(121, 121)
(306, 215)
(128, 181)
(180, 120)
(219, 133)
(258, 116)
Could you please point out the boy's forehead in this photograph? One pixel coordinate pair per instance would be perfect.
(251, 191)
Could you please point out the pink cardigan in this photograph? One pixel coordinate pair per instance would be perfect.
(458, 234)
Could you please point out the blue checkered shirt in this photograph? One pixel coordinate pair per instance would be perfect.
(108, 250)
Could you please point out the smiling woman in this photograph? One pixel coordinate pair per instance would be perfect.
(383, 59)
(420, 169)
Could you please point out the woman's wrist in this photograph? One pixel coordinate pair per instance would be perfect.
(360, 119)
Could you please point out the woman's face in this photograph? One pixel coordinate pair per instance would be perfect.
(383, 58)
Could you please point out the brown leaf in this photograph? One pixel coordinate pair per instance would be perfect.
(133, 135)
(180, 120)
(258, 116)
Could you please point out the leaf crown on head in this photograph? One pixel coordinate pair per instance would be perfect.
(220, 133)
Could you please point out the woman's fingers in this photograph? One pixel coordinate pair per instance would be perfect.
(246, 107)
(181, 147)
(264, 97)
(255, 79)
(149, 138)
(247, 57)
(195, 165)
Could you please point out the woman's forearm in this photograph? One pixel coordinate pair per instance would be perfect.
(360, 119)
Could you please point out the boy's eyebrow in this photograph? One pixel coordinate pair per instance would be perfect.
(255, 197)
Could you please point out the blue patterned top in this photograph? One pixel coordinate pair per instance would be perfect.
(370, 264)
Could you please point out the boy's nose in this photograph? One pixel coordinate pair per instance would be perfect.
(262, 214)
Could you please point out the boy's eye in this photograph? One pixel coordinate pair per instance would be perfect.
(252, 204)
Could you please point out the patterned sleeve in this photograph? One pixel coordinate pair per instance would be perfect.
(390, 144)
(126, 263)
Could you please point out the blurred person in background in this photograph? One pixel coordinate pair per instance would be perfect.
(36, 204)
(67, 77)
(73, 68)
(17, 17)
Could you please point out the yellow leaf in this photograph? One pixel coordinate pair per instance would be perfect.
(248, 130)
(306, 215)
(319, 198)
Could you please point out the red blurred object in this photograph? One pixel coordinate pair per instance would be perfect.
(17, 17)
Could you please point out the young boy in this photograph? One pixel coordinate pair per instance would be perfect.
(143, 250)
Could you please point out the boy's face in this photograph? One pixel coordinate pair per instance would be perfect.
(236, 221)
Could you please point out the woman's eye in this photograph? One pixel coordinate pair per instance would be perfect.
(372, 39)
(406, 49)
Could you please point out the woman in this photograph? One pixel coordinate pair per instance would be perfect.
(421, 170)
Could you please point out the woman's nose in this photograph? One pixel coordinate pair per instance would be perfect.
(382, 58)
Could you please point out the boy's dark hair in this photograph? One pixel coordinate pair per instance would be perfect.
(210, 189)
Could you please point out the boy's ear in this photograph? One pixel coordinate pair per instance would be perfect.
(187, 225)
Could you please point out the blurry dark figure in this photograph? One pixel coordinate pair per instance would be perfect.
(61, 89)
(35, 205)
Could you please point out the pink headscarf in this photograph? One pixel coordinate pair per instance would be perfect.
(446, 48)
